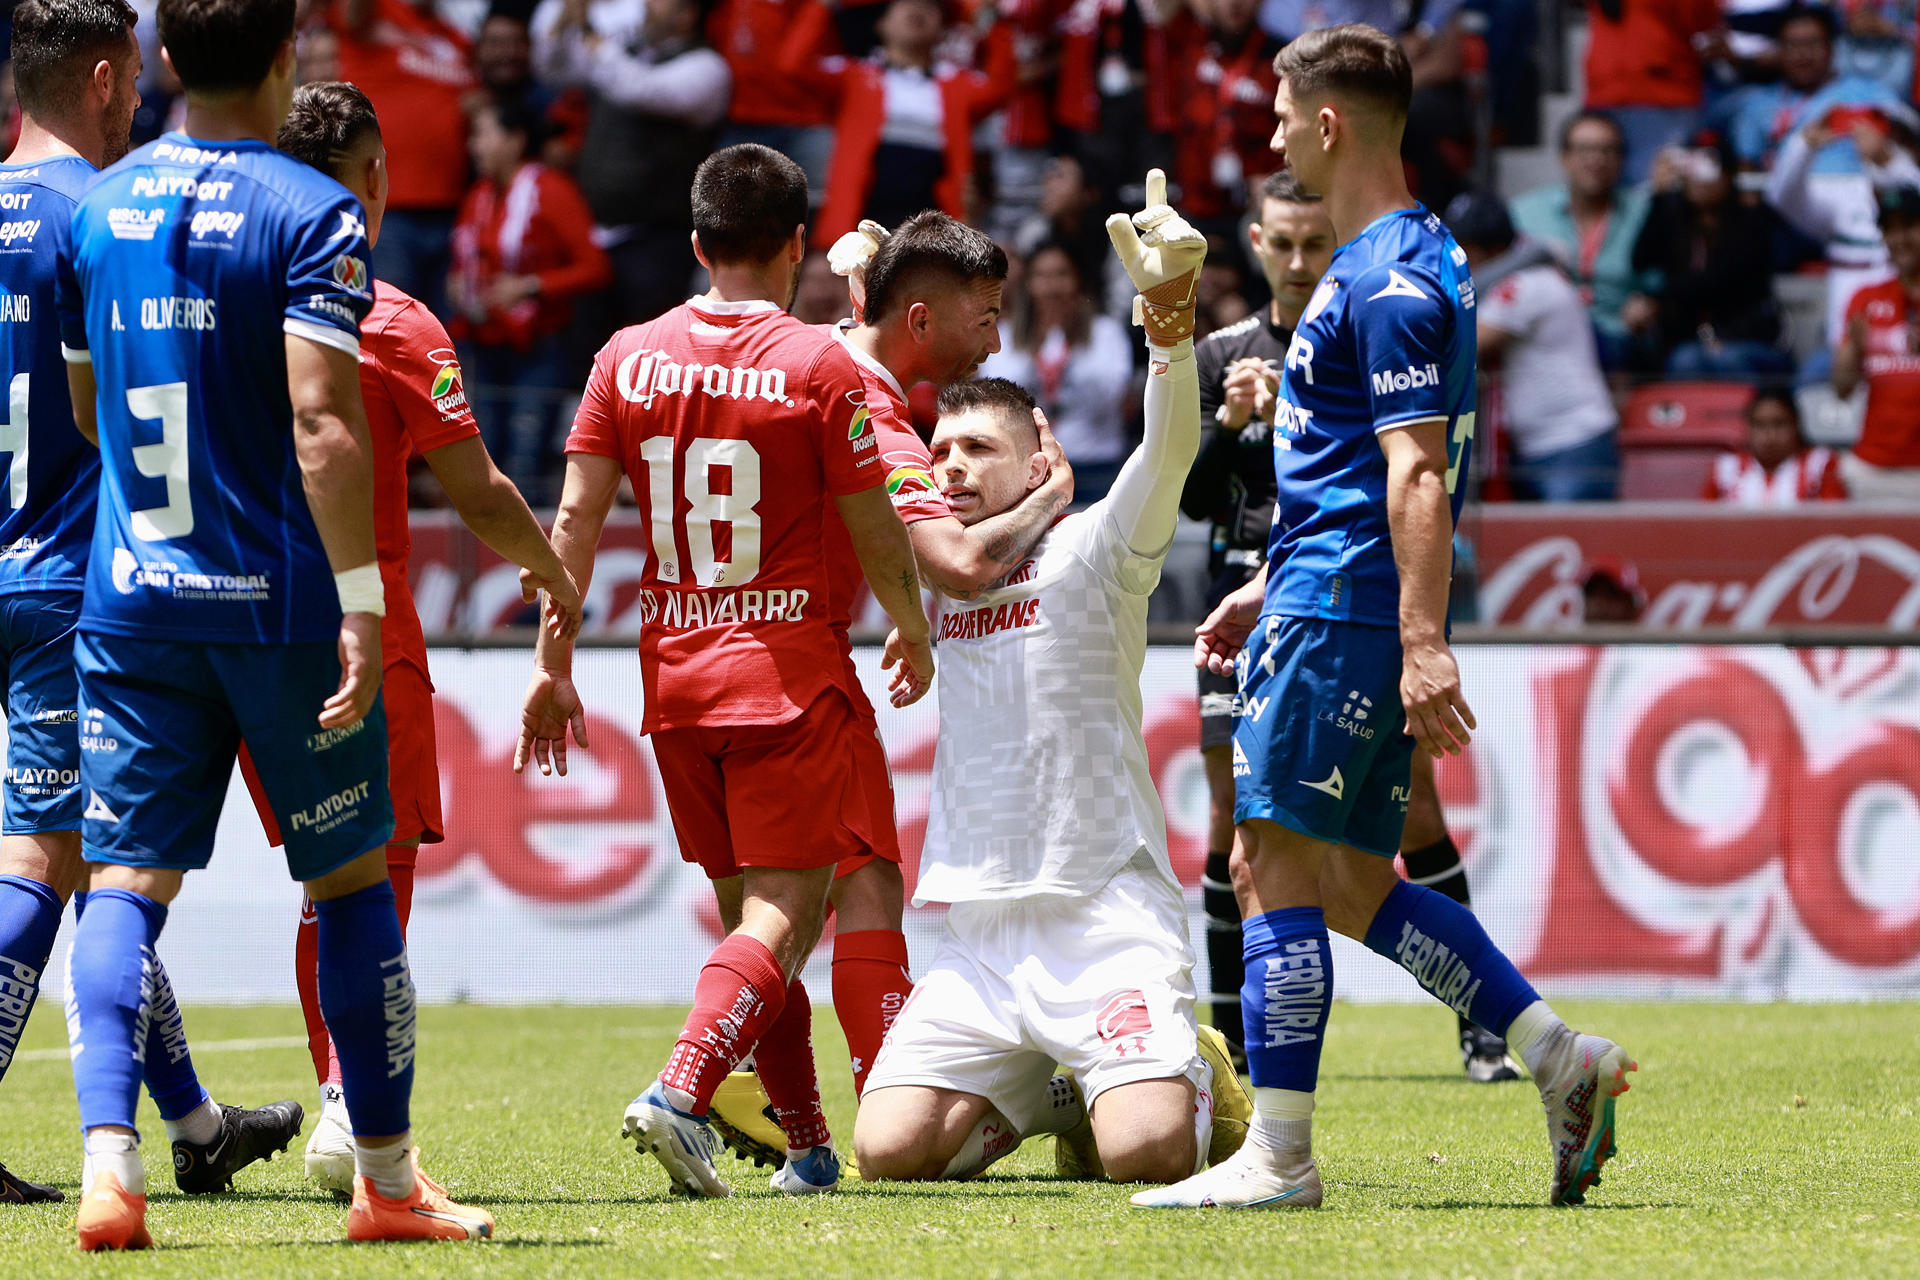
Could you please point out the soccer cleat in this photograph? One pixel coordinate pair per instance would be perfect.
(1576, 1075)
(812, 1174)
(1232, 1108)
(427, 1214)
(200, 1168)
(1485, 1055)
(329, 1155)
(1075, 1155)
(15, 1189)
(1253, 1179)
(684, 1144)
(111, 1217)
(746, 1122)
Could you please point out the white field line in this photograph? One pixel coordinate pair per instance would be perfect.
(198, 1047)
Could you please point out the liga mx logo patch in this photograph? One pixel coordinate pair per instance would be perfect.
(350, 272)
(1124, 1022)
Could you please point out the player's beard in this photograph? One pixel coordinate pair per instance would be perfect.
(793, 292)
(119, 140)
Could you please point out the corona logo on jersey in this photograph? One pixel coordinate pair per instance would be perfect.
(449, 389)
(646, 374)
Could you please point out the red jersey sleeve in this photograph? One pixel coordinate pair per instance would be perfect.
(594, 429)
(422, 378)
(849, 448)
(909, 469)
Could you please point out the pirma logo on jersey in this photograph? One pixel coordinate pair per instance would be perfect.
(1386, 382)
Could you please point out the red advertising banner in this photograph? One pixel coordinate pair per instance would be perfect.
(1701, 565)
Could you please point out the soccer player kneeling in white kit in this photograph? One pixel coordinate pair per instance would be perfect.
(1066, 938)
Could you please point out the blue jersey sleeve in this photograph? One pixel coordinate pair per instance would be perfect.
(68, 304)
(329, 284)
(1402, 334)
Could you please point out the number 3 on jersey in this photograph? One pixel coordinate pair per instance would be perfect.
(165, 460)
(737, 509)
(1457, 449)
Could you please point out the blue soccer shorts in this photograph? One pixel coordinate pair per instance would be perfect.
(161, 724)
(1319, 745)
(43, 733)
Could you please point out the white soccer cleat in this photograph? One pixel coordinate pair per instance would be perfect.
(330, 1154)
(683, 1144)
(814, 1173)
(1579, 1079)
(1254, 1178)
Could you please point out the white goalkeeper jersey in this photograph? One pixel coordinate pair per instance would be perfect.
(1040, 776)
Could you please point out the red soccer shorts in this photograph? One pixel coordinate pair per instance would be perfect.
(768, 795)
(413, 765)
(875, 779)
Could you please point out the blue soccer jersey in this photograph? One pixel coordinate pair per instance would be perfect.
(1386, 340)
(52, 473)
(190, 262)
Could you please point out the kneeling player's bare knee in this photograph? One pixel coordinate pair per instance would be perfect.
(892, 1147)
(1143, 1155)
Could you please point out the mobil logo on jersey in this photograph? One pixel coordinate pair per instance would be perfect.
(646, 374)
(1412, 378)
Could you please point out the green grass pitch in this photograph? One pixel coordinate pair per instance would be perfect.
(1757, 1141)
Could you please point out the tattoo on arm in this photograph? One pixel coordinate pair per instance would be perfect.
(1011, 536)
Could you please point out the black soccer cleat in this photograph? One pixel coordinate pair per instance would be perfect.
(1485, 1056)
(15, 1189)
(202, 1168)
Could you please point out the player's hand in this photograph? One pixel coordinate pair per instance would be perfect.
(1218, 640)
(551, 709)
(1438, 717)
(359, 672)
(1249, 392)
(1058, 485)
(912, 667)
(1163, 255)
(563, 612)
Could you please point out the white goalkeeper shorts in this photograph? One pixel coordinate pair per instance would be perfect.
(1101, 984)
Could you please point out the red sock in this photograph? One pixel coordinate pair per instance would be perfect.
(784, 1059)
(306, 963)
(739, 995)
(870, 984)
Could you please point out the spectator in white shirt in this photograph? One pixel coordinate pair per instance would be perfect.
(1535, 330)
(1077, 362)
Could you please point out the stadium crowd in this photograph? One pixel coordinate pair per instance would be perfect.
(541, 150)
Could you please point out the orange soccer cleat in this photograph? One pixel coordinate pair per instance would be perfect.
(427, 1214)
(111, 1217)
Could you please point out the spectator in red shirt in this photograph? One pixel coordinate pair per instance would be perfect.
(1224, 117)
(1882, 349)
(1777, 469)
(416, 67)
(903, 133)
(769, 106)
(1644, 70)
(523, 252)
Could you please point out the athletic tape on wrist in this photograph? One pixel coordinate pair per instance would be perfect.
(362, 591)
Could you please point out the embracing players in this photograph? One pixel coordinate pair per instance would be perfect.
(232, 591)
(738, 426)
(1066, 938)
(415, 402)
(74, 67)
(1374, 426)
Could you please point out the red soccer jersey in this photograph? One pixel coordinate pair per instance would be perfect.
(415, 67)
(1890, 436)
(416, 403)
(736, 424)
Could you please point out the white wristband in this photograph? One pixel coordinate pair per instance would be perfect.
(362, 591)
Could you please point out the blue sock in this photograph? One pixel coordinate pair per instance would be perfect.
(29, 921)
(171, 1080)
(110, 986)
(1445, 948)
(1286, 996)
(366, 995)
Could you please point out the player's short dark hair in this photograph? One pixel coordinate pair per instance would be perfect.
(1281, 185)
(222, 45)
(515, 113)
(1591, 115)
(930, 246)
(1007, 401)
(1353, 62)
(747, 200)
(56, 40)
(329, 118)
